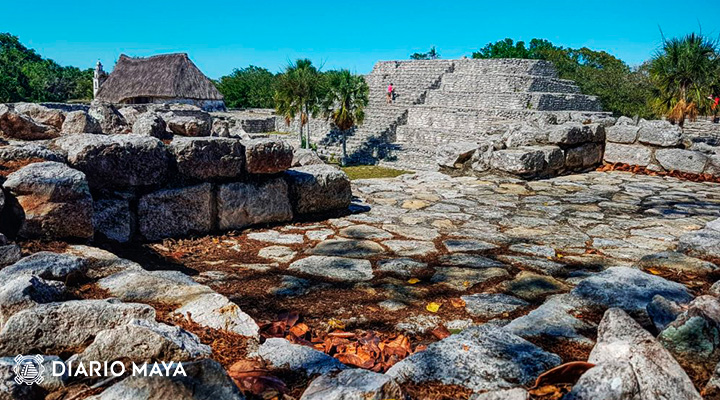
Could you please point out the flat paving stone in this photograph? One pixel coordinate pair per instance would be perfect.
(491, 305)
(364, 232)
(281, 254)
(469, 260)
(276, 237)
(320, 234)
(348, 248)
(406, 267)
(336, 268)
(465, 245)
(406, 248)
(531, 286)
(465, 278)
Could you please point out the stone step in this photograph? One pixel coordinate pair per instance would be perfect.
(505, 83)
(514, 101)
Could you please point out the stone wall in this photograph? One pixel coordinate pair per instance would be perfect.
(63, 182)
(661, 146)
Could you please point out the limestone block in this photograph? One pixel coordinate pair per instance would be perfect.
(251, 203)
(523, 160)
(628, 154)
(318, 188)
(176, 212)
(681, 160)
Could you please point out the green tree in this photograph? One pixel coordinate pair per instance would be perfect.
(685, 73)
(345, 102)
(430, 55)
(251, 87)
(298, 93)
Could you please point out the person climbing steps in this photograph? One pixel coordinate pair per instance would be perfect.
(390, 94)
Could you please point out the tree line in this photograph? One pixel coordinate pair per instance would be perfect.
(27, 76)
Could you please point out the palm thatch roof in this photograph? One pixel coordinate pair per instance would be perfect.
(171, 76)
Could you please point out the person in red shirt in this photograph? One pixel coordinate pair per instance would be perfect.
(390, 92)
(715, 107)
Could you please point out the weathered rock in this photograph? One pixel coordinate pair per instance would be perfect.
(364, 232)
(531, 286)
(693, 338)
(524, 160)
(609, 381)
(55, 328)
(131, 114)
(41, 114)
(267, 156)
(110, 120)
(167, 287)
(23, 292)
(199, 124)
(662, 312)
(465, 278)
(9, 254)
(467, 245)
(206, 380)
(409, 248)
(677, 262)
(303, 157)
(571, 133)
(405, 267)
(208, 157)
(584, 156)
(11, 390)
(53, 201)
(176, 212)
(659, 133)
(418, 324)
(507, 394)
(507, 361)
(552, 319)
(216, 311)
(318, 188)
(80, 122)
(491, 305)
(101, 263)
(143, 341)
(681, 160)
(352, 384)
(628, 154)
(621, 339)
(113, 219)
(29, 152)
(554, 157)
(455, 154)
(336, 268)
(627, 288)
(348, 248)
(150, 124)
(18, 126)
(47, 265)
(622, 133)
(244, 204)
(281, 354)
(117, 161)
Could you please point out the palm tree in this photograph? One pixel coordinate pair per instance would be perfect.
(345, 102)
(298, 92)
(683, 71)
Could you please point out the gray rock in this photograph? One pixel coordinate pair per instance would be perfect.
(11, 390)
(621, 339)
(662, 312)
(9, 254)
(244, 204)
(187, 125)
(532, 287)
(524, 160)
(584, 156)
(659, 133)
(419, 324)
(131, 114)
(114, 219)
(469, 260)
(507, 361)
(176, 212)
(465, 278)
(463, 245)
(491, 305)
(29, 151)
(318, 188)
(552, 319)
(55, 328)
(455, 154)
(677, 262)
(47, 265)
(117, 161)
(571, 133)
(336, 268)
(405, 267)
(217, 311)
(681, 160)
(24, 292)
(206, 380)
(80, 122)
(165, 287)
(622, 133)
(364, 232)
(101, 263)
(348, 248)
(143, 341)
(267, 156)
(554, 157)
(409, 248)
(627, 154)
(41, 114)
(150, 124)
(712, 388)
(208, 157)
(629, 289)
(608, 381)
(53, 201)
(18, 126)
(693, 336)
(507, 394)
(281, 354)
(701, 243)
(303, 157)
(110, 120)
(352, 384)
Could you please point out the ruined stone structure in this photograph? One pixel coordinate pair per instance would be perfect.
(440, 101)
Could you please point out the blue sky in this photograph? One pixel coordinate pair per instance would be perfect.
(223, 35)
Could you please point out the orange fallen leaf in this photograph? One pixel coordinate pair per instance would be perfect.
(441, 332)
(299, 330)
(413, 281)
(457, 303)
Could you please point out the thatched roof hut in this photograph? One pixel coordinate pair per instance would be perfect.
(164, 78)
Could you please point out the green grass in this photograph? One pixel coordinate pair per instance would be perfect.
(372, 171)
